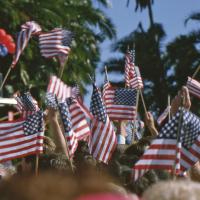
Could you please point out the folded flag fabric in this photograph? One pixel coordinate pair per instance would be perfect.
(168, 151)
(78, 115)
(133, 77)
(61, 90)
(50, 101)
(70, 136)
(21, 137)
(193, 87)
(26, 104)
(163, 115)
(120, 102)
(56, 43)
(75, 124)
(27, 30)
(103, 139)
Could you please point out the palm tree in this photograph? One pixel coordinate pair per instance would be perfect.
(143, 4)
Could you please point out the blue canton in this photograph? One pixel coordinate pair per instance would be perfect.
(50, 101)
(124, 96)
(34, 123)
(65, 115)
(97, 106)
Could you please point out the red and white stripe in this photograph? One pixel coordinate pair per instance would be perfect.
(60, 89)
(28, 29)
(72, 142)
(163, 115)
(15, 144)
(193, 87)
(127, 69)
(103, 140)
(191, 156)
(161, 154)
(116, 112)
(51, 43)
(135, 79)
(78, 120)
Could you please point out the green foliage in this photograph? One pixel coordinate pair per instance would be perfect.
(90, 25)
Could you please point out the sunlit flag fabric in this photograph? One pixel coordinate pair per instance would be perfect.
(70, 136)
(78, 118)
(27, 30)
(61, 90)
(163, 115)
(103, 139)
(26, 104)
(56, 43)
(133, 77)
(120, 102)
(193, 87)
(21, 137)
(166, 149)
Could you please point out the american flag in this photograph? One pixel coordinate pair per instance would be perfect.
(21, 137)
(70, 136)
(26, 104)
(61, 90)
(128, 64)
(51, 101)
(163, 115)
(28, 29)
(103, 139)
(120, 102)
(166, 149)
(78, 115)
(56, 43)
(193, 87)
(133, 77)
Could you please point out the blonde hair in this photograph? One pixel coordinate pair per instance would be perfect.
(173, 190)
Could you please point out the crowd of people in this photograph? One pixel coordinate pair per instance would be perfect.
(84, 178)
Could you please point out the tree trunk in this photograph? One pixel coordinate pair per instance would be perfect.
(150, 14)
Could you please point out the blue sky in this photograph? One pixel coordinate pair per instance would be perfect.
(171, 14)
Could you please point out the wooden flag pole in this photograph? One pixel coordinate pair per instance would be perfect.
(136, 110)
(37, 164)
(196, 71)
(145, 109)
(6, 76)
(62, 69)
(169, 109)
(6, 117)
(106, 73)
(178, 137)
(66, 141)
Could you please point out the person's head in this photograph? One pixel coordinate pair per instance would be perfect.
(194, 172)
(61, 187)
(173, 190)
(47, 162)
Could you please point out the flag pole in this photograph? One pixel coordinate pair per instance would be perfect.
(145, 109)
(6, 76)
(178, 138)
(196, 71)
(136, 110)
(6, 117)
(106, 73)
(66, 141)
(62, 68)
(169, 110)
(37, 164)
